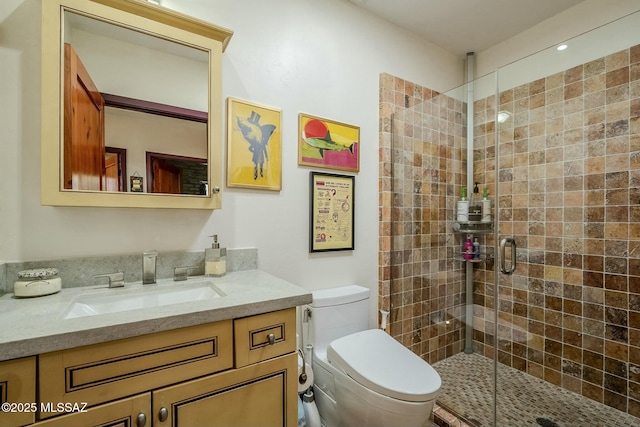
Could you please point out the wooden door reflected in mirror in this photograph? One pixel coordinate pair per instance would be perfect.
(83, 126)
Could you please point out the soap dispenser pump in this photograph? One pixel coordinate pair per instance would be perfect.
(215, 259)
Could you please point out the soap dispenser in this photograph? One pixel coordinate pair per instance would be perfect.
(215, 259)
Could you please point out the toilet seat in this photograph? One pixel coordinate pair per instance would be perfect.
(380, 363)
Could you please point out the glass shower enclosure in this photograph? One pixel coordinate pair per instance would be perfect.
(542, 328)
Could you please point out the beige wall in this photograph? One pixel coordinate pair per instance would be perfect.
(326, 66)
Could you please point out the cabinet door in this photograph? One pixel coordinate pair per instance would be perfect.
(131, 412)
(17, 386)
(264, 394)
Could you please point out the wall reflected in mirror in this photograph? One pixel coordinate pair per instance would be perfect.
(134, 105)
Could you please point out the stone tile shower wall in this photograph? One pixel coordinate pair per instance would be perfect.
(569, 183)
(421, 169)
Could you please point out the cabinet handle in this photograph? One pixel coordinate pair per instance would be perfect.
(272, 339)
(141, 420)
(163, 414)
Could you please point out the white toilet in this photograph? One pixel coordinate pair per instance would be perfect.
(364, 377)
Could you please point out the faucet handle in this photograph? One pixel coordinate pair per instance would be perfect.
(149, 262)
(116, 280)
(182, 273)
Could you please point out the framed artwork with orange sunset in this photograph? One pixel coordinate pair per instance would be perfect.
(328, 144)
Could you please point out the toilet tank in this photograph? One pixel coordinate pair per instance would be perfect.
(337, 312)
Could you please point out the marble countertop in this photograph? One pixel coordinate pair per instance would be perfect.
(30, 326)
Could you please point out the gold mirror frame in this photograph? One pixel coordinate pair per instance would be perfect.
(145, 17)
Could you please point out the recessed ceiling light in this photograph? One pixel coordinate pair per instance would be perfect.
(562, 47)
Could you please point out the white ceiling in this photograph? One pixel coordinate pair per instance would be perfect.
(462, 26)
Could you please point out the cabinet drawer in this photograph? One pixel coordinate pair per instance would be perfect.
(99, 373)
(264, 336)
(18, 386)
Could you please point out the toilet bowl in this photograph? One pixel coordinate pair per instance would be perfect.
(364, 377)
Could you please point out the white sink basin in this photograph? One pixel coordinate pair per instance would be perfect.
(141, 297)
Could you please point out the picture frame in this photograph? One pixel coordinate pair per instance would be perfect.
(254, 145)
(332, 212)
(136, 184)
(328, 144)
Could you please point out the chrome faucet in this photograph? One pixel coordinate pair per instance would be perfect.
(182, 273)
(149, 259)
(116, 280)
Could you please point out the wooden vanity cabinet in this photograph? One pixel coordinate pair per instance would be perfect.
(18, 387)
(239, 372)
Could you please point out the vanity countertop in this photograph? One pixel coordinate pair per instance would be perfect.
(30, 326)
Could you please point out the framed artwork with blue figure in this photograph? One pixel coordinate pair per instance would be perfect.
(254, 145)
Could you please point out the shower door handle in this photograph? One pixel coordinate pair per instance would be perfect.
(503, 249)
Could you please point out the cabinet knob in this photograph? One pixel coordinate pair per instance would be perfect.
(216, 189)
(163, 414)
(141, 420)
(271, 338)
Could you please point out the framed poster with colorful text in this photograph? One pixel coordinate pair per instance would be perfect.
(332, 212)
(254, 145)
(328, 144)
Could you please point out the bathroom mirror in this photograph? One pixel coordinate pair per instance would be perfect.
(131, 106)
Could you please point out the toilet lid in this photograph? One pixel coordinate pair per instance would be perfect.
(382, 364)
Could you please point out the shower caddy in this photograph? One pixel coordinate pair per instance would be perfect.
(474, 228)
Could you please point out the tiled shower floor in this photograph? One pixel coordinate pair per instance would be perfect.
(523, 400)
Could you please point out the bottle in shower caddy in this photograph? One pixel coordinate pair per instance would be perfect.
(476, 248)
(476, 192)
(486, 205)
(475, 208)
(463, 206)
(467, 248)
